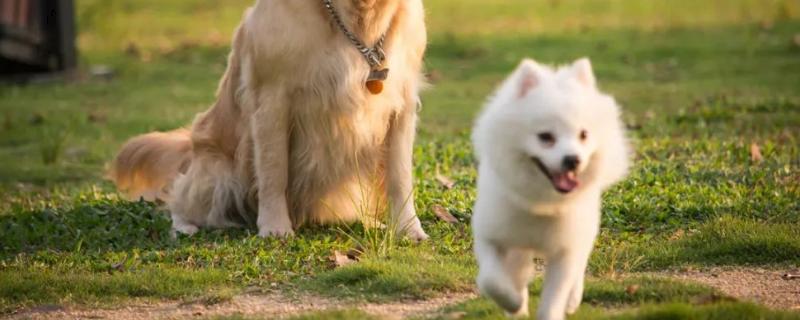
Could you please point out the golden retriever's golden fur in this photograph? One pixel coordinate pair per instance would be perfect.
(294, 135)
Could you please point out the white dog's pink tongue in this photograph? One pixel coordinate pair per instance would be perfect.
(565, 182)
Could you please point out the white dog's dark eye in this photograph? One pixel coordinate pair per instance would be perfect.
(583, 135)
(547, 138)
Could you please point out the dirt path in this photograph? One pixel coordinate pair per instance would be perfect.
(767, 287)
(268, 306)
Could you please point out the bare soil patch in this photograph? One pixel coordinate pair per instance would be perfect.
(763, 286)
(267, 306)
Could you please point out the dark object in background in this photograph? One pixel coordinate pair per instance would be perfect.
(37, 38)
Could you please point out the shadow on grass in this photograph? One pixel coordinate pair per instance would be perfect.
(25, 287)
(101, 225)
(723, 241)
(408, 273)
(730, 241)
(98, 249)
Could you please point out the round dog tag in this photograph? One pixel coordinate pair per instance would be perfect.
(375, 86)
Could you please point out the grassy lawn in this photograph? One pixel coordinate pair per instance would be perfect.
(700, 83)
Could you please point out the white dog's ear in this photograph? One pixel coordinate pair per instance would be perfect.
(582, 70)
(529, 77)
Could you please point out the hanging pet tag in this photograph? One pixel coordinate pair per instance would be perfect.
(375, 80)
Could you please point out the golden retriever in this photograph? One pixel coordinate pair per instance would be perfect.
(295, 136)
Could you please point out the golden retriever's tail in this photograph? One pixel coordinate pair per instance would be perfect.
(147, 164)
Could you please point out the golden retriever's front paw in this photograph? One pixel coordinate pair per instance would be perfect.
(275, 232)
(273, 220)
(416, 234)
(412, 229)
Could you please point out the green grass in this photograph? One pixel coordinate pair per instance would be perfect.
(700, 81)
(683, 311)
(729, 241)
(336, 315)
(418, 273)
(653, 299)
(35, 285)
(673, 310)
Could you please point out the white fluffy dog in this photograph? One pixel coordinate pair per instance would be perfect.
(548, 144)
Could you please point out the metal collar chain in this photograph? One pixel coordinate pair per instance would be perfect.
(374, 56)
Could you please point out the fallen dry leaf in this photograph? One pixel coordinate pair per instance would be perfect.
(340, 259)
(456, 315)
(119, 266)
(7, 124)
(445, 181)
(444, 214)
(678, 234)
(632, 289)
(132, 50)
(355, 253)
(216, 37)
(97, 116)
(36, 119)
(796, 40)
(102, 72)
(791, 276)
(633, 126)
(767, 25)
(755, 153)
(712, 298)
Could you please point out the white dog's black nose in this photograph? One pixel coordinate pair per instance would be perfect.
(571, 163)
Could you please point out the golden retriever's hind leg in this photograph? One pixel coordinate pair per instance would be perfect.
(179, 225)
(207, 196)
(187, 206)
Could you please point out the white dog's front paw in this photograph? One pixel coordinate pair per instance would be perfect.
(523, 309)
(547, 314)
(501, 291)
(573, 304)
(521, 314)
(575, 297)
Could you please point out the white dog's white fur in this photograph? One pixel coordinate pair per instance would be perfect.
(294, 132)
(543, 119)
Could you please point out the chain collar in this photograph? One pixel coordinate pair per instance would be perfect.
(374, 56)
